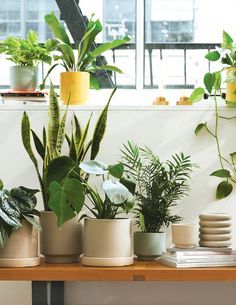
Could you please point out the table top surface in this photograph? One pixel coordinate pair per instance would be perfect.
(140, 271)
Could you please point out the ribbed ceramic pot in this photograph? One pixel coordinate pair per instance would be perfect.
(23, 78)
(59, 245)
(149, 246)
(107, 242)
(74, 87)
(21, 249)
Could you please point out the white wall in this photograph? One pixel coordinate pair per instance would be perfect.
(166, 131)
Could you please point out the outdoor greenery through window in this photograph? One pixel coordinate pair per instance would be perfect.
(176, 36)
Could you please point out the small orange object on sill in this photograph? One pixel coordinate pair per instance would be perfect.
(184, 100)
(161, 100)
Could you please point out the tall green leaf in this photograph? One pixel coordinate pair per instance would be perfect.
(100, 129)
(38, 145)
(80, 147)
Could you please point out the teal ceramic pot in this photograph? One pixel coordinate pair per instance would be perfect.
(149, 246)
(23, 78)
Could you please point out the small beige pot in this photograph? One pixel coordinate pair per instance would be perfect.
(149, 246)
(60, 245)
(107, 242)
(21, 249)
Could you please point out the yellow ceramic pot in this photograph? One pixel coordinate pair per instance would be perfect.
(75, 85)
(231, 89)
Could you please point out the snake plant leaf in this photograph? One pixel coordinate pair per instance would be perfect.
(61, 133)
(58, 169)
(53, 122)
(116, 192)
(94, 167)
(86, 149)
(100, 129)
(80, 147)
(78, 131)
(116, 170)
(66, 200)
(223, 190)
(38, 145)
(72, 149)
(57, 28)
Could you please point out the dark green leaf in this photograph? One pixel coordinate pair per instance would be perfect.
(1, 184)
(199, 128)
(38, 145)
(129, 184)
(227, 60)
(213, 56)
(224, 189)
(222, 173)
(209, 80)
(94, 84)
(116, 170)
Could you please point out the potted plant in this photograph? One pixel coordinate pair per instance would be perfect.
(107, 238)
(81, 67)
(212, 81)
(26, 55)
(159, 186)
(61, 189)
(18, 227)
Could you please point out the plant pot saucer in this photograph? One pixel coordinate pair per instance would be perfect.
(61, 259)
(20, 262)
(106, 262)
(148, 257)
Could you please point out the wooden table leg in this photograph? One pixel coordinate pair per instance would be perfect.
(57, 293)
(39, 293)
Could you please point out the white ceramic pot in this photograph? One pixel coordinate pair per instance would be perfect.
(107, 242)
(24, 78)
(185, 235)
(21, 249)
(60, 245)
(149, 246)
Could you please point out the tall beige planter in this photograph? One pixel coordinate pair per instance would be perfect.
(59, 245)
(21, 249)
(107, 242)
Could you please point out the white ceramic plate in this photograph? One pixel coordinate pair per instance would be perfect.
(206, 230)
(215, 243)
(215, 216)
(215, 223)
(213, 237)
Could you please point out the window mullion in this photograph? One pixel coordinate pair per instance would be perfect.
(140, 44)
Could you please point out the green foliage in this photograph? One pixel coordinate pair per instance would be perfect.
(86, 60)
(117, 198)
(212, 81)
(16, 205)
(159, 186)
(25, 52)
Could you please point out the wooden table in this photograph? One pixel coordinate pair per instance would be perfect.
(57, 274)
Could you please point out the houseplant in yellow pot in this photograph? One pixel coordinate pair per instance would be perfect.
(159, 185)
(61, 189)
(79, 67)
(18, 227)
(107, 238)
(26, 54)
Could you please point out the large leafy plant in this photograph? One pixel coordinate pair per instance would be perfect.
(116, 199)
(159, 186)
(212, 81)
(25, 52)
(16, 205)
(59, 177)
(85, 60)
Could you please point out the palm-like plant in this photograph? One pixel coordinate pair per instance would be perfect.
(85, 60)
(158, 185)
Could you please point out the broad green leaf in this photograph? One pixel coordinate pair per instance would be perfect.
(223, 190)
(199, 128)
(100, 129)
(38, 145)
(66, 200)
(94, 167)
(57, 28)
(233, 155)
(227, 60)
(32, 37)
(129, 184)
(197, 95)
(222, 173)
(116, 192)
(94, 84)
(218, 80)
(109, 68)
(58, 169)
(213, 56)
(227, 39)
(209, 80)
(116, 170)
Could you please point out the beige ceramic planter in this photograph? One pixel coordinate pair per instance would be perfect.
(59, 245)
(21, 249)
(107, 242)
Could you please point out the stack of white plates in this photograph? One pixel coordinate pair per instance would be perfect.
(215, 230)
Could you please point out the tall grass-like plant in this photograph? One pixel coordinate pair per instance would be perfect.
(159, 185)
(85, 60)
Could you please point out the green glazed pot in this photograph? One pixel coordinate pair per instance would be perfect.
(23, 78)
(149, 246)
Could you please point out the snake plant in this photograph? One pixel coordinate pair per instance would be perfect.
(15, 205)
